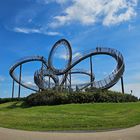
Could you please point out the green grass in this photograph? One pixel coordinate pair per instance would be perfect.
(98, 116)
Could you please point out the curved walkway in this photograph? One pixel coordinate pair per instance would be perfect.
(132, 133)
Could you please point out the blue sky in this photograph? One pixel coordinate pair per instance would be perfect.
(31, 27)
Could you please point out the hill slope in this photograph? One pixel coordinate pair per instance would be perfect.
(97, 116)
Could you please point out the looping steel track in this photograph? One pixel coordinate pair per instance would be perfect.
(49, 70)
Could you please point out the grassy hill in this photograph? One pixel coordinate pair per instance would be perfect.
(96, 116)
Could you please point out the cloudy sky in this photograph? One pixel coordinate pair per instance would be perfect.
(31, 27)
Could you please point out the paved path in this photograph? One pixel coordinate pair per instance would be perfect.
(124, 134)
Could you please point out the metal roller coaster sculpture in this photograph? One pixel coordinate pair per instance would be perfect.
(53, 73)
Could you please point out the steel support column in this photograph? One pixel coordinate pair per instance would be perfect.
(70, 79)
(91, 71)
(66, 82)
(20, 71)
(41, 75)
(69, 87)
(122, 84)
(49, 81)
(13, 87)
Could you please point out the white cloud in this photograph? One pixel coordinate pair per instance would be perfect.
(2, 78)
(108, 12)
(79, 79)
(77, 54)
(30, 84)
(26, 30)
(63, 56)
(118, 11)
(49, 1)
(29, 80)
(33, 30)
(53, 33)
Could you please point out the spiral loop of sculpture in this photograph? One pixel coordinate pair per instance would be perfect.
(48, 70)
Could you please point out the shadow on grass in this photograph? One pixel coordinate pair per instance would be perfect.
(18, 104)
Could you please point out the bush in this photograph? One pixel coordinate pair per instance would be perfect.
(81, 97)
(47, 98)
(51, 97)
(116, 97)
(5, 100)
